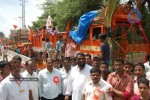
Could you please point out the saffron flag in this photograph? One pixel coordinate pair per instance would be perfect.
(68, 28)
(15, 26)
(30, 37)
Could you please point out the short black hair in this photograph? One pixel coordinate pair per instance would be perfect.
(72, 58)
(89, 55)
(81, 54)
(47, 39)
(3, 64)
(144, 81)
(148, 57)
(127, 63)
(102, 36)
(119, 59)
(43, 39)
(17, 58)
(104, 62)
(139, 64)
(28, 62)
(95, 69)
(66, 58)
(96, 58)
(14, 61)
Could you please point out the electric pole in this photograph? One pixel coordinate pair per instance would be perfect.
(23, 12)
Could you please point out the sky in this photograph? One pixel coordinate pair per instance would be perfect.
(11, 10)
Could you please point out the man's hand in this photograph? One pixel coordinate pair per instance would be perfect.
(66, 98)
(110, 91)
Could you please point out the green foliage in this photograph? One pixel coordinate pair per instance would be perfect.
(146, 21)
(2, 35)
(61, 12)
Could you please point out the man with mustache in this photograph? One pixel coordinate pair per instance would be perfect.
(121, 82)
(32, 78)
(13, 86)
(79, 75)
(97, 88)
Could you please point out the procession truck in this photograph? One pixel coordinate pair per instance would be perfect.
(123, 26)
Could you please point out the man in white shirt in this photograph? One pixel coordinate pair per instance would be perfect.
(5, 53)
(49, 82)
(80, 74)
(97, 88)
(147, 64)
(13, 86)
(32, 78)
(65, 73)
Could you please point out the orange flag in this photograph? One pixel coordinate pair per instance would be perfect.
(68, 27)
(30, 37)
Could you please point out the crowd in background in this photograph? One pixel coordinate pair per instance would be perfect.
(62, 74)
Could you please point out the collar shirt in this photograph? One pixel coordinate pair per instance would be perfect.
(49, 83)
(14, 90)
(58, 45)
(97, 91)
(147, 66)
(70, 49)
(125, 85)
(148, 76)
(135, 87)
(64, 77)
(32, 79)
(77, 81)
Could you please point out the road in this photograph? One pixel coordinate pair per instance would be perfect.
(1, 58)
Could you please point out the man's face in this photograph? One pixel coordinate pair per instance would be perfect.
(73, 62)
(39, 59)
(143, 88)
(95, 77)
(96, 62)
(49, 63)
(31, 67)
(56, 64)
(139, 71)
(103, 68)
(15, 67)
(67, 64)
(118, 66)
(56, 53)
(88, 60)
(127, 69)
(81, 60)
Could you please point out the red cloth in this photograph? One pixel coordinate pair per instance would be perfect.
(30, 37)
(68, 27)
(135, 97)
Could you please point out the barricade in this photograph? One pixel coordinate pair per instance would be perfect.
(11, 54)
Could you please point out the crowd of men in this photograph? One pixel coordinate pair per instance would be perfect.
(73, 76)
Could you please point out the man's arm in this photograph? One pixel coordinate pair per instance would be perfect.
(128, 90)
(30, 95)
(40, 84)
(83, 97)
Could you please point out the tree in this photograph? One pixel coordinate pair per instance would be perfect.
(61, 12)
(2, 35)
